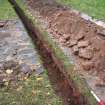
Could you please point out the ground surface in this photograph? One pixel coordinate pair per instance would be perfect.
(83, 38)
(23, 80)
(92, 8)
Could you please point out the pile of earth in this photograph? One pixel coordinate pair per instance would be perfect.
(11, 72)
(84, 38)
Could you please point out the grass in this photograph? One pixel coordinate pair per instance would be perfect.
(35, 90)
(6, 11)
(94, 8)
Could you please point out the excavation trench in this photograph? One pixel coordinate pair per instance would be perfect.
(63, 86)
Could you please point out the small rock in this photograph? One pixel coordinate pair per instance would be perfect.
(72, 43)
(83, 44)
(87, 65)
(25, 68)
(66, 37)
(79, 36)
(85, 53)
(67, 43)
(75, 50)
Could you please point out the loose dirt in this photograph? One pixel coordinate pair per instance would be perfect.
(84, 38)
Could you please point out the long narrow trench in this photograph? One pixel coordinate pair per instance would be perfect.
(62, 86)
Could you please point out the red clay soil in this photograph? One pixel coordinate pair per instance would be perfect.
(86, 39)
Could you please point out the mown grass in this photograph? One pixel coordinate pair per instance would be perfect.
(6, 11)
(35, 90)
(94, 8)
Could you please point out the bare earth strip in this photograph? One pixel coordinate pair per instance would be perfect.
(84, 39)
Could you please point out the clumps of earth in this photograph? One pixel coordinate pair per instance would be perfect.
(86, 41)
(11, 72)
(84, 38)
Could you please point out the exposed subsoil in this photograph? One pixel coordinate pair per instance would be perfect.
(84, 38)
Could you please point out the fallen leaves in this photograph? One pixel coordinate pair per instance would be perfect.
(9, 71)
(39, 78)
(19, 88)
(6, 83)
(34, 92)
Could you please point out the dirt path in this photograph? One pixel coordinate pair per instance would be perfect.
(85, 39)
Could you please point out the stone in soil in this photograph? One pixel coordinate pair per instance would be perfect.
(85, 53)
(80, 35)
(75, 50)
(87, 65)
(72, 43)
(66, 37)
(82, 44)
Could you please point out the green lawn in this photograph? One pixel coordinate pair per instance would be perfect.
(94, 8)
(35, 90)
(6, 11)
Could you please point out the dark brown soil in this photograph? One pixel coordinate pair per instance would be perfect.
(62, 86)
(86, 39)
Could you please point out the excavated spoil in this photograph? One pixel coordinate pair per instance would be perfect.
(62, 84)
(86, 39)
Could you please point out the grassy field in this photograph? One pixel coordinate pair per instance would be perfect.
(6, 11)
(94, 8)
